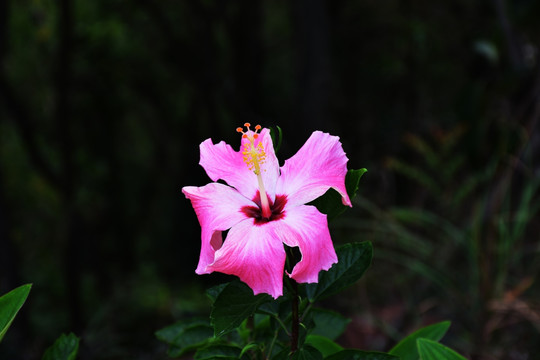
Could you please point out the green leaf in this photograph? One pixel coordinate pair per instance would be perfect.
(276, 138)
(249, 347)
(432, 350)
(10, 304)
(234, 304)
(170, 333)
(224, 352)
(306, 352)
(361, 355)
(282, 355)
(326, 346)
(328, 323)
(214, 291)
(270, 308)
(64, 348)
(330, 203)
(183, 337)
(353, 260)
(406, 349)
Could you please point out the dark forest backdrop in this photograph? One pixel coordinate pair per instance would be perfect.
(103, 105)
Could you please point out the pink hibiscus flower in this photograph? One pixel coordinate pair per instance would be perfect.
(264, 207)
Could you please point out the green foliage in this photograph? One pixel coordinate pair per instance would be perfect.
(306, 352)
(326, 346)
(441, 165)
(328, 323)
(406, 348)
(65, 347)
(233, 305)
(245, 326)
(224, 352)
(330, 203)
(361, 355)
(432, 350)
(353, 261)
(10, 304)
(214, 291)
(459, 222)
(183, 337)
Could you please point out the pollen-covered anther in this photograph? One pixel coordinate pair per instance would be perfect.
(253, 155)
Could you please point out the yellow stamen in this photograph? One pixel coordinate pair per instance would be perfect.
(254, 157)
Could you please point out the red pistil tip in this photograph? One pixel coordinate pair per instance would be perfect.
(247, 125)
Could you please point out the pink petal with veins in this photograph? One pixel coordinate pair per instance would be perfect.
(304, 226)
(218, 209)
(254, 254)
(319, 165)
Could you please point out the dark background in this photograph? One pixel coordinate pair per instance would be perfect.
(103, 105)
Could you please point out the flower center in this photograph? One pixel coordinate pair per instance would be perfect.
(254, 156)
(276, 209)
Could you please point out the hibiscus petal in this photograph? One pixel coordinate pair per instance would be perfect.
(221, 162)
(304, 226)
(319, 165)
(254, 254)
(218, 208)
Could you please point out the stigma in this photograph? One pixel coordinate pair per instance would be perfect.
(254, 156)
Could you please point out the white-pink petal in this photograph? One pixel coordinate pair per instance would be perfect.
(305, 227)
(319, 165)
(255, 254)
(218, 209)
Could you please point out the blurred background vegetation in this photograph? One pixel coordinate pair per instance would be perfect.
(103, 105)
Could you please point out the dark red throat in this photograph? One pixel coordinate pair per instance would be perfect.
(276, 207)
